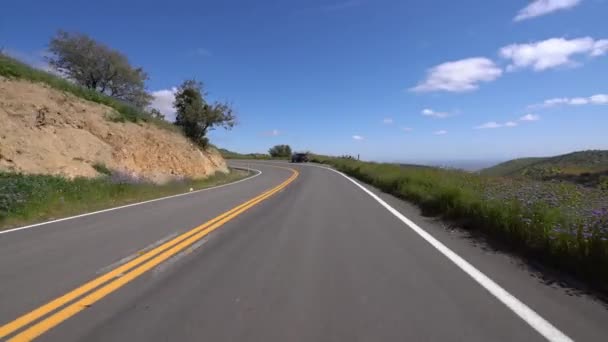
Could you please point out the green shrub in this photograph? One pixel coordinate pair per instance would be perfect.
(101, 168)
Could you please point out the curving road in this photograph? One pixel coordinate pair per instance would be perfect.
(288, 255)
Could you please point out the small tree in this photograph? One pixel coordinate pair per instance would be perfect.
(196, 116)
(96, 66)
(155, 113)
(280, 151)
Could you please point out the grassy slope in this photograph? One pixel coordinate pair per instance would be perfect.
(510, 167)
(33, 198)
(234, 155)
(540, 230)
(571, 163)
(12, 68)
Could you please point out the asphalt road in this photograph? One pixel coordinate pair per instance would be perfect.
(318, 260)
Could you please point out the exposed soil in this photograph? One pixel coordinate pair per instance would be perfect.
(46, 131)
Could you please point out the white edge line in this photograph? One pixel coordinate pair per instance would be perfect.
(542, 326)
(134, 204)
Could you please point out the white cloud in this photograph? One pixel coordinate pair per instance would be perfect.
(163, 101)
(598, 99)
(387, 121)
(489, 125)
(542, 7)
(553, 102)
(407, 129)
(434, 114)
(273, 133)
(459, 76)
(202, 52)
(552, 53)
(530, 117)
(579, 101)
(494, 124)
(357, 137)
(339, 6)
(441, 132)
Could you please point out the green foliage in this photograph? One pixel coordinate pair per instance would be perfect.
(12, 68)
(32, 198)
(196, 117)
(280, 151)
(101, 168)
(234, 155)
(555, 222)
(97, 67)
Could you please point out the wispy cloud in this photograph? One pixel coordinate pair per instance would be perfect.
(163, 101)
(343, 5)
(202, 52)
(552, 53)
(459, 76)
(407, 129)
(543, 7)
(598, 99)
(434, 114)
(494, 124)
(441, 132)
(530, 117)
(489, 125)
(272, 133)
(358, 137)
(387, 121)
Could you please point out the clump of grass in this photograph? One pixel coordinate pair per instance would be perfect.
(563, 224)
(12, 68)
(102, 168)
(33, 198)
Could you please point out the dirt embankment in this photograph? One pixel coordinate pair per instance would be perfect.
(45, 131)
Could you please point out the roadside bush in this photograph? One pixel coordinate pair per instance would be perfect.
(280, 151)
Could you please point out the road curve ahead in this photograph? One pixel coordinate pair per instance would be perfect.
(297, 253)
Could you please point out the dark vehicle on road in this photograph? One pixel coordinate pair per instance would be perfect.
(299, 158)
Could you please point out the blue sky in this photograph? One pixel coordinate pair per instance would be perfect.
(381, 78)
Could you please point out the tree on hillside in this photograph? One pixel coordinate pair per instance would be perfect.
(99, 67)
(155, 113)
(196, 116)
(280, 151)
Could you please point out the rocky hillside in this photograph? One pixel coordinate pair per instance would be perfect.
(46, 131)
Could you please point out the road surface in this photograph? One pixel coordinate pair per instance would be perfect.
(311, 257)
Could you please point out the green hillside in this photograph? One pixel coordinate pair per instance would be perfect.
(227, 154)
(511, 167)
(589, 168)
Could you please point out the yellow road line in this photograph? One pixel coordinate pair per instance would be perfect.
(119, 276)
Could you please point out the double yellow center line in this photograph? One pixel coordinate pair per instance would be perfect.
(122, 275)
